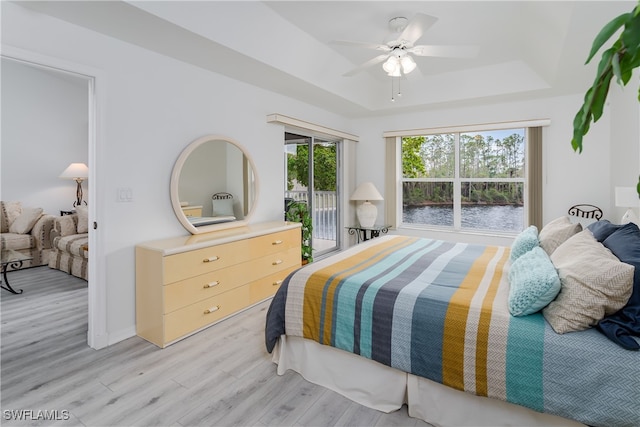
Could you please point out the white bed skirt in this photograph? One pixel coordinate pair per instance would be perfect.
(386, 389)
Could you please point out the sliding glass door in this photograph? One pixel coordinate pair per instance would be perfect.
(312, 177)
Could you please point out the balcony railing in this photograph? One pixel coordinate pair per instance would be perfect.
(324, 213)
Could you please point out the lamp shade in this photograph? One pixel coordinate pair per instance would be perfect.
(75, 171)
(627, 197)
(366, 191)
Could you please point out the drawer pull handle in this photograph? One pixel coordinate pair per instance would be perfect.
(212, 309)
(211, 259)
(276, 262)
(277, 283)
(277, 242)
(211, 284)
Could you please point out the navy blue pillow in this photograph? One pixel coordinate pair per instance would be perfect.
(603, 229)
(624, 243)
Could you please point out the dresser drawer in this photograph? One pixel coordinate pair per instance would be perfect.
(275, 242)
(273, 263)
(200, 261)
(185, 292)
(266, 287)
(191, 318)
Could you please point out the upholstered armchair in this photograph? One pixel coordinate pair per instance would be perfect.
(70, 239)
(26, 230)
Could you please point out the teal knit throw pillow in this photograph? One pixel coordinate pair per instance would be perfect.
(524, 242)
(534, 283)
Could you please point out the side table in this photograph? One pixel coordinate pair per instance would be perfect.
(367, 233)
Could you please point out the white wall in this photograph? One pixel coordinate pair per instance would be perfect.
(44, 129)
(625, 140)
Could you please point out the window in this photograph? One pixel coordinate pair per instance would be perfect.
(467, 180)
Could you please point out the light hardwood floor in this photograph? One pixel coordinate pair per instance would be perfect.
(221, 376)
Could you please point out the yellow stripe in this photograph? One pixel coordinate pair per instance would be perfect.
(318, 281)
(482, 342)
(456, 320)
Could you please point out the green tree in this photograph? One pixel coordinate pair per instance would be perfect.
(324, 171)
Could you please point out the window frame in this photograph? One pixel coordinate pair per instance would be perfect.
(532, 179)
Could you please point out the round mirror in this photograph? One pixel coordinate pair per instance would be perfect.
(213, 185)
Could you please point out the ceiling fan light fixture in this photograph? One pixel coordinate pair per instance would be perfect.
(391, 64)
(408, 64)
(395, 72)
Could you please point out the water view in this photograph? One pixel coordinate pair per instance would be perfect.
(479, 217)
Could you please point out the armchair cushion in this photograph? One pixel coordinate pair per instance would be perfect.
(83, 219)
(10, 211)
(66, 225)
(26, 220)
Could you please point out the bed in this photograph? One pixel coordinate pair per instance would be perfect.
(427, 323)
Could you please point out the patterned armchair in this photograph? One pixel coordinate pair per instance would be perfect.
(70, 239)
(26, 230)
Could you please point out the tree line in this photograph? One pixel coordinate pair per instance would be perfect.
(481, 156)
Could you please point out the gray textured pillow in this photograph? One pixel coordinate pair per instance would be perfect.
(556, 233)
(594, 284)
(83, 219)
(26, 220)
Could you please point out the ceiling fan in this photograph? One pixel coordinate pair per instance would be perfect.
(397, 56)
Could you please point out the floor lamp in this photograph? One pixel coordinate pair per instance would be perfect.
(78, 172)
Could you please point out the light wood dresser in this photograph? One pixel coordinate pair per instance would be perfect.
(186, 284)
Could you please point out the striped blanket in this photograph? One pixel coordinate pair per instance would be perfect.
(439, 310)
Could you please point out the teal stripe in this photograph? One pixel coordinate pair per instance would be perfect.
(325, 291)
(345, 296)
(525, 352)
(366, 316)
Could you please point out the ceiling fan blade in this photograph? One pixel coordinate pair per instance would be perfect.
(378, 59)
(382, 47)
(416, 27)
(445, 51)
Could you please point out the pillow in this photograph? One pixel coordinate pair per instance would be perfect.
(223, 207)
(533, 281)
(10, 211)
(620, 326)
(83, 219)
(557, 232)
(26, 220)
(524, 242)
(594, 284)
(602, 229)
(67, 225)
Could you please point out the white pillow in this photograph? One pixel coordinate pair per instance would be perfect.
(26, 220)
(223, 207)
(83, 219)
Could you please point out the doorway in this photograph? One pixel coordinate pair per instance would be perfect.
(78, 74)
(312, 166)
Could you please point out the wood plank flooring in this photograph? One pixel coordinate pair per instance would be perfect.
(221, 376)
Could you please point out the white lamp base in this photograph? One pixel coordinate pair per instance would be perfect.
(629, 216)
(367, 214)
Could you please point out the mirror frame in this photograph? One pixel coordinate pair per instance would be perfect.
(175, 181)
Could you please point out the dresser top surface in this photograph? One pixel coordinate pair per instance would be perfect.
(181, 244)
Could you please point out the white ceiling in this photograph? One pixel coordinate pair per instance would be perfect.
(527, 49)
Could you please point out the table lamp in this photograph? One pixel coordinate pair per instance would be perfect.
(366, 212)
(627, 197)
(78, 172)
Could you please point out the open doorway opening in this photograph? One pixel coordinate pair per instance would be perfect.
(49, 122)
